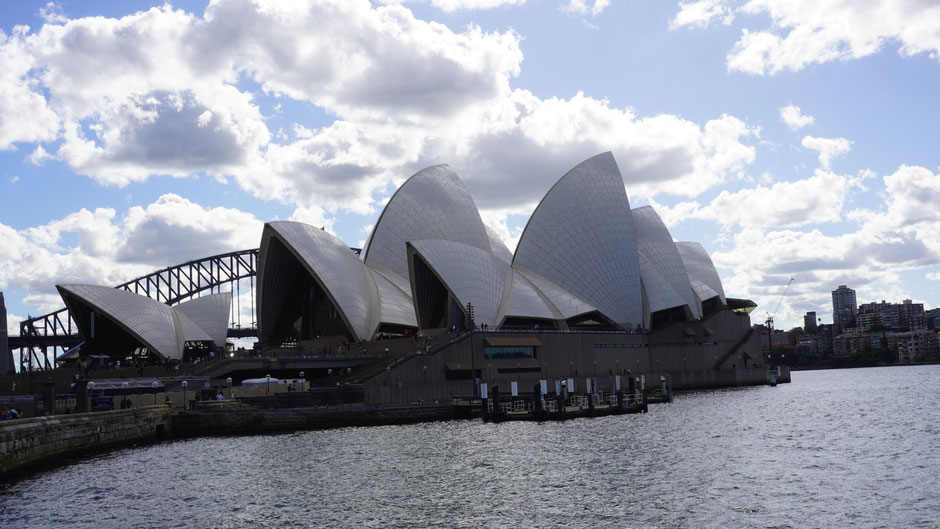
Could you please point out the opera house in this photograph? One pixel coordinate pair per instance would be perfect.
(593, 288)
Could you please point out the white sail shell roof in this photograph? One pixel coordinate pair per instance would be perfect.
(191, 331)
(154, 324)
(702, 273)
(432, 204)
(527, 301)
(210, 314)
(561, 301)
(664, 276)
(331, 263)
(581, 238)
(498, 247)
(473, 275)
(395, 305)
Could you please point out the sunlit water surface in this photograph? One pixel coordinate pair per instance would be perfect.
(843, 448)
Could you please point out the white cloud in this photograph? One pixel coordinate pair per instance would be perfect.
(379, 58)
(794, 118)
(52, 14)
(161, 133)
(13, 324)
(515, 153)
(804, 32)
(932, 276)
(314, 216)
(110, 250)
(828, 148)
(586, 7)
(458, 5)
(25, 115)
(902, 235)
(174, 229)
(910, 212)
(702, 13)
(406, 93)
(166, 102)
(38, 156)
(815, 200)
(14, 179)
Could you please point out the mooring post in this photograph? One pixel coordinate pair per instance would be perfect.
(81, 395)
(48, 396)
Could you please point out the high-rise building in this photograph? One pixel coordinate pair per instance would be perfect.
(809, 321)
(911, 315)
(932, 319)
(889, 313)
(843, 307)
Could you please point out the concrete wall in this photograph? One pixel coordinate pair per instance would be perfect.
(27, 443)
(254, 421)
(688, 352)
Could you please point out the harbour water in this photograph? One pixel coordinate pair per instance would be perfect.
(840, 448)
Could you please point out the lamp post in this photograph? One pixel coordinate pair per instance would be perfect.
(154, 385)
(229, 382)
(91, 390)
(124, 388)
(267, 389)
(184, 384)
(425, 370)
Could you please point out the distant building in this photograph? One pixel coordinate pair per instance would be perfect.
(809, 321)
(780, 338)
(848, 344)
(911, 315)
(880, 340)
(918, 346)
(889, 313)
(813, 344)
(844, 307)
(867, 320)
(932, 319)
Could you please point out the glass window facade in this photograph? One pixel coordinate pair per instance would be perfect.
(509, 351)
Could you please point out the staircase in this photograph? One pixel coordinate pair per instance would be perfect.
(731, 352)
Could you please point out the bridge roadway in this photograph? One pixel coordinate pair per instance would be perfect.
(67, 341)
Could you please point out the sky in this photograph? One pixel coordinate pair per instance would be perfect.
(793, 139)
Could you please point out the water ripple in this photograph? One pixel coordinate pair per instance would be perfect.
(847, 448)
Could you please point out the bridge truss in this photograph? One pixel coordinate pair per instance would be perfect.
(43, 338)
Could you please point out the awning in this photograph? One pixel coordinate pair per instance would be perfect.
(510, 341)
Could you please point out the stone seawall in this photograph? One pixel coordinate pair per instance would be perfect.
(27, 443)
(254, 421)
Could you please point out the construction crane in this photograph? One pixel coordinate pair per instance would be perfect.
(790, 282)
(770, 322)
